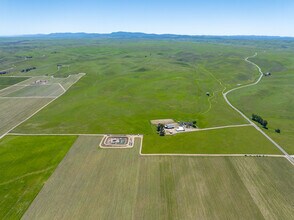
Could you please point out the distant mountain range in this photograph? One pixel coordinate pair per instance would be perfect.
(138, 35)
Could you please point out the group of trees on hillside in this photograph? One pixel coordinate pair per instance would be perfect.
(260, 120)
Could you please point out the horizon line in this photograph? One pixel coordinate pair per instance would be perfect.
(137, 32)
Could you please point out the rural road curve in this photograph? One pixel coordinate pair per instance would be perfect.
(291, 160)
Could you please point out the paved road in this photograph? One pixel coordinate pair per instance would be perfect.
(291, 160)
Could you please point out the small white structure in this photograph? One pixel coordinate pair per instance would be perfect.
(114, 141)
(179, 129)
(169, 126)
(41, 82)
(267, 74)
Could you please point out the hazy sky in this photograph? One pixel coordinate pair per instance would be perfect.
(208, 17)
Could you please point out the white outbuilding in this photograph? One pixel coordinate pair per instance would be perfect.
(179, 129)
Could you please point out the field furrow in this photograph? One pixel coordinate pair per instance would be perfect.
(95, 183)
(52, 90)
(13, 111)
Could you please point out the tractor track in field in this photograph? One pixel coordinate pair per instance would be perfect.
(26, 175)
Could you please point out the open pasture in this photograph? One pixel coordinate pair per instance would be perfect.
(21, 101)
(41, 86)
(236, 140)
(96, 183)
(25, 164)
(15, 110)
(128, 84)
(51, 91)
(8, 81)
(16, 86)
(273, 97)
(67, 82)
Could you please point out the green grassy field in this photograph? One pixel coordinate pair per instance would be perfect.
(15, 110)
(89, 184)
(130, 83)
(8, 81)
(26, 162)
(53, 90)
(272, 98)
(127, 84)
(221, 141)
(53, 87)
(19, 102)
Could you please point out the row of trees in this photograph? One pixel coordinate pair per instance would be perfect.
(28, 69)
(263, 122)
(260, 120)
